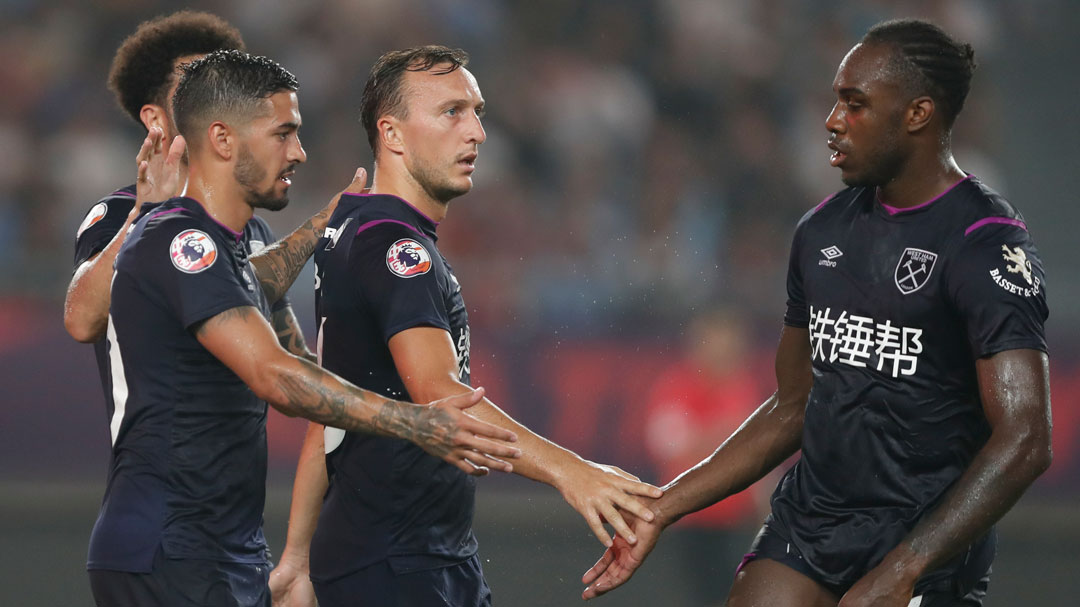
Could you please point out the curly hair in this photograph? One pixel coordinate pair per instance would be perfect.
(382, 92)
(142, 69)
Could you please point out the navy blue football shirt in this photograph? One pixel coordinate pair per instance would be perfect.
(378, 272)
(101, 224)
(188, 466)
(899, 304)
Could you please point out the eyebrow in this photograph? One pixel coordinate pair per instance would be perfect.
(848, 91)
(291, 125)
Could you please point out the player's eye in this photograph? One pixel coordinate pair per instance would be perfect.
(451, 111)
(480, 112)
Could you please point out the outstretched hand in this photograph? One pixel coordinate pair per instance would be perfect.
(158, 172)
(598, 492)
(475, 447)
(621, 560)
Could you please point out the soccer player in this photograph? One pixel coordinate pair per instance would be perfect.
(396, 524)
(194, 361)
(911, 370)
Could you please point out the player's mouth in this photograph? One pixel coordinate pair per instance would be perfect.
(468, 162)
(837, 158)
(286, 177)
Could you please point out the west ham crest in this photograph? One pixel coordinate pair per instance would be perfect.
(914, 269)
(408, 258)
(192, 251)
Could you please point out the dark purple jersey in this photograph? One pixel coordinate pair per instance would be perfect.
(899, 304)
(187, 472)
(101, 224)
(378, 272)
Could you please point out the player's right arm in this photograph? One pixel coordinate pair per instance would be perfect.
(767, 438)
(86, 305)
(425, 360)
(243, 341)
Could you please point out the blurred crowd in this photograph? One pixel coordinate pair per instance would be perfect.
(646, 160)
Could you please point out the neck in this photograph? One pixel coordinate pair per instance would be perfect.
(220, 195)
(395, 180)
(920, 180)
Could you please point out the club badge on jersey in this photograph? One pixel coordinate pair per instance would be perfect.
(408, 258)
(914, 269)
(95, 215)
(192, 251)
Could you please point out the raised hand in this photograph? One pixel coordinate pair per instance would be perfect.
(621, 559)
(358, 185)
(444, 430)
(598, 492)
(158, 172)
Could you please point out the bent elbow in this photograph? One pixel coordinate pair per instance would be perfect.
(80, 331)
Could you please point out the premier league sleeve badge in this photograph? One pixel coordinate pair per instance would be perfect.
(192, 251)
(408, 258)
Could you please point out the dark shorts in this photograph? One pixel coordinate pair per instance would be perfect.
(377, 585)
(965, 588)
(184, 583)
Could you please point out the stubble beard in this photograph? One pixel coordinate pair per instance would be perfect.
(248, 174)
(435, 185)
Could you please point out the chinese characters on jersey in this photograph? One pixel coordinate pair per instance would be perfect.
(860, 341)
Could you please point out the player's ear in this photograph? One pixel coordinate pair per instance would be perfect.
(390, 135)
(222, 139)
(152, 115)
(919, 113)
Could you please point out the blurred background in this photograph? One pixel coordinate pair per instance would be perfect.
(623, 252)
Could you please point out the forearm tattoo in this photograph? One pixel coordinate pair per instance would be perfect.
(310, 394)
(289, 334)
(278, 265)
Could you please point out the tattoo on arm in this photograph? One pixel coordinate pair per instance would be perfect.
(278, 265)
(318, 396)
(243, 312)
(289, 334)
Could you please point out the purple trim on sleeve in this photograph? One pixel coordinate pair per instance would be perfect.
(237, 235)
(989, 220)
(122, 193)
(378, 221)
(749, 556)
(891, 210)
(423, 214)
(160, 213)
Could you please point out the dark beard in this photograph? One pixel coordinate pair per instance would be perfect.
(247, 173)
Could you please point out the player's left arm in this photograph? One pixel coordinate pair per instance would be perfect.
(1015, 390)
(289, 334)
(278, 265)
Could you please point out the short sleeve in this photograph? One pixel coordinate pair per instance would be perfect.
(399, 279)
(100, 225)
(998, 287)
(193, 269)
(798, 313)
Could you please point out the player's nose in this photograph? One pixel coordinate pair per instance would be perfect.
(833, 122)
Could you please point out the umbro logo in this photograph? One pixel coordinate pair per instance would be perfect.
(830, 253)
